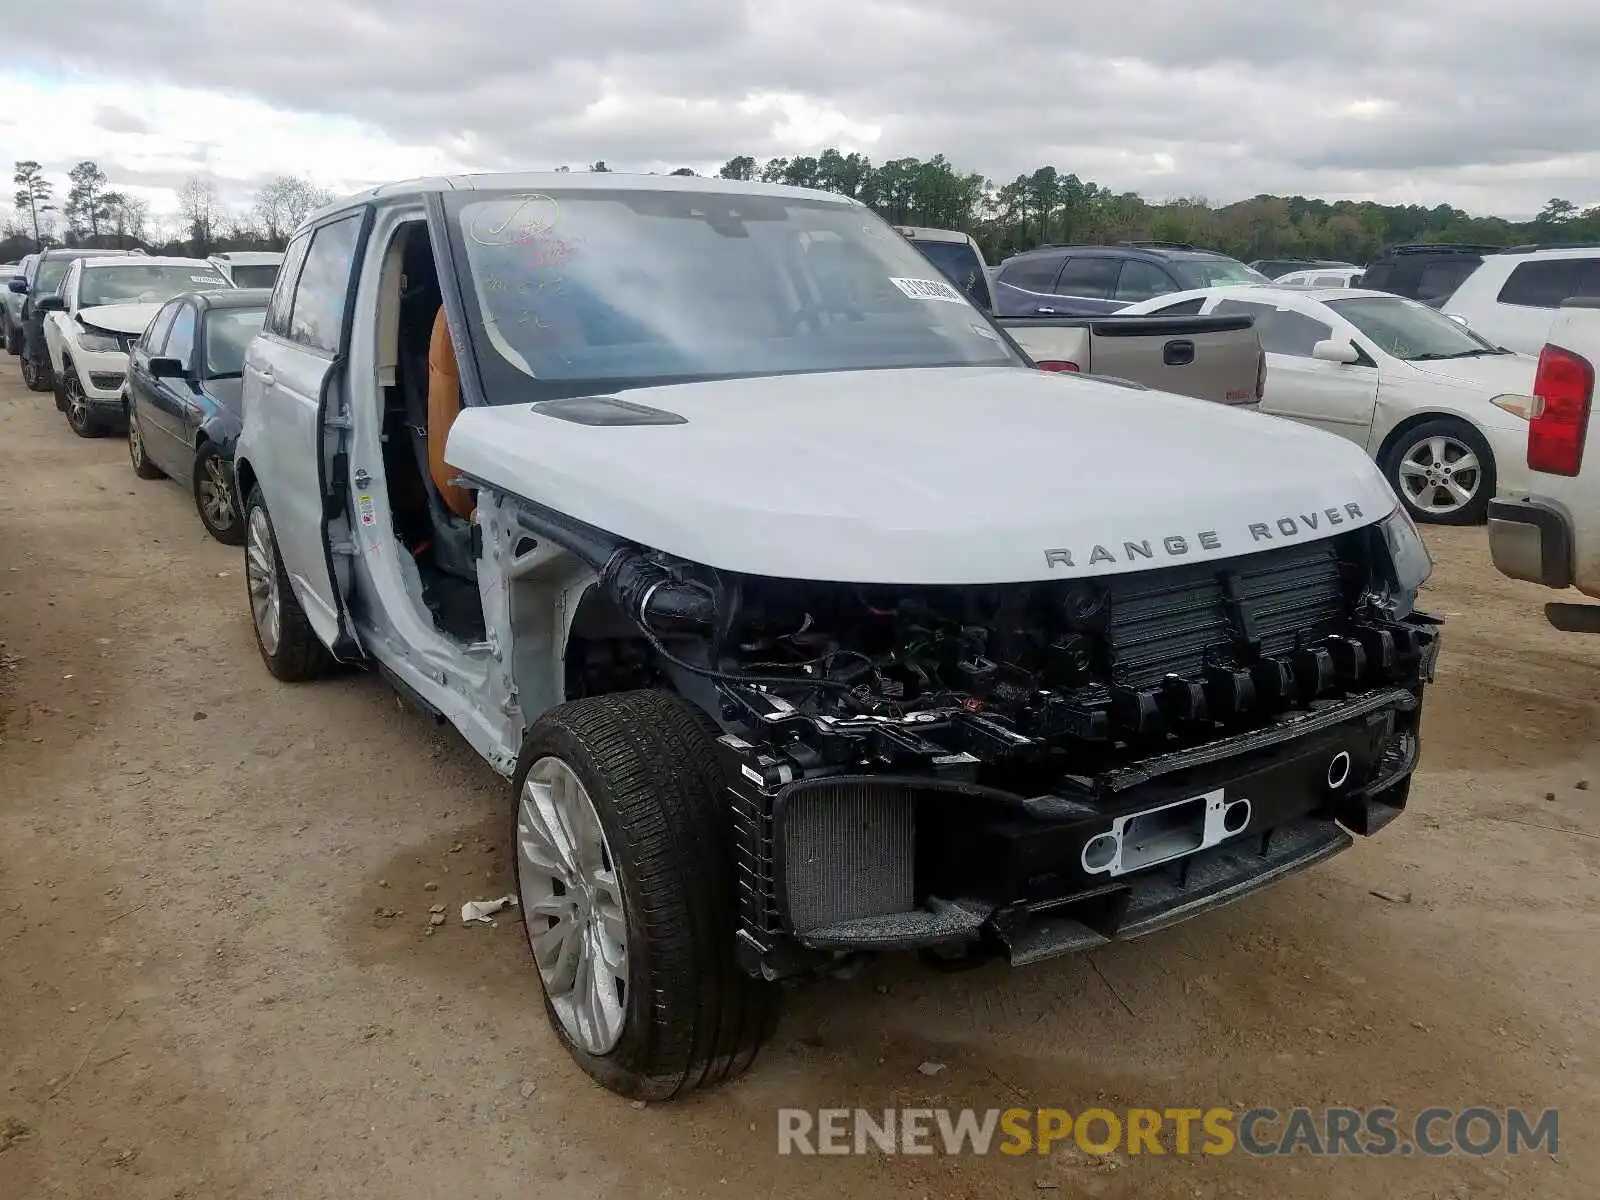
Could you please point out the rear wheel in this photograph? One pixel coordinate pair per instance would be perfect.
(142, 466)
(288, 644)
(13, 337)
(1443, 471)
(624, 865)
(214, 497)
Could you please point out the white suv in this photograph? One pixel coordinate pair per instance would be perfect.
(808, 620)
(104, 304)
(1512, 297)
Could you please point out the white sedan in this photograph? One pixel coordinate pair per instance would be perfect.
(1442, 411)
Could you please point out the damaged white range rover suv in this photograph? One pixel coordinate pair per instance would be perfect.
(807, 618)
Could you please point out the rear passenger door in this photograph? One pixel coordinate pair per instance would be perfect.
(292, 383)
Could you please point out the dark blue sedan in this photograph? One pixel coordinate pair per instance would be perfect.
(185, 378)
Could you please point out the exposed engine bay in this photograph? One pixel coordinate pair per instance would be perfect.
(1030, 763)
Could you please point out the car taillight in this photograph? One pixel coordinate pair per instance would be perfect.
(1057, 364)
(1564, 385)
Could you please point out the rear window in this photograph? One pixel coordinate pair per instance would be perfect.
(255, 276)
(959, 263)
(1548, 284)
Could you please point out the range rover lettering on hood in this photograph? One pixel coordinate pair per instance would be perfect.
(1177, 545)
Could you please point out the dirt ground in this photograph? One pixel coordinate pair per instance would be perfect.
(199, 997)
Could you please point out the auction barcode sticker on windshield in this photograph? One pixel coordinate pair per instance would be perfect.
(928, 289)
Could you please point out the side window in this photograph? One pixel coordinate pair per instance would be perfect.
(1142, 281)
(1438, 280)
(1330, 281)
(180, 343)
(1032, 274)
(1089, 278)
(1183, 308)
(155, 334)
(283, 291)
(324, 281)
(1544, 284)
(1281, 331)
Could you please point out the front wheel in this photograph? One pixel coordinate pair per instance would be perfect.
(1443, 471)
(79, 415)
(288, 644)
(624, 865)
(214, 497)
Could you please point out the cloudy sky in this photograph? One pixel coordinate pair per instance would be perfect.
(1490, 106)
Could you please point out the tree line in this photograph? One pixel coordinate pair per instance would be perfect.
(93, 213)
(1048, 205)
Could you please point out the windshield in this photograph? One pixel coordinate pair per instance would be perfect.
(51, 272)
(146, 283)
(1408, 330)
(228, 332)
(255, 276)
(628, 288)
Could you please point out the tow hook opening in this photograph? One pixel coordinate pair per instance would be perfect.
(1339, 770)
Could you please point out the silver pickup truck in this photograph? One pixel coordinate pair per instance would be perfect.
(1210, 358)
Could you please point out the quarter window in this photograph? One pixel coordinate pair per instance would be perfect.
(324, 281)
(1549, 283)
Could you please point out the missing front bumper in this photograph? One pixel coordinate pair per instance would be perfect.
(839, 864)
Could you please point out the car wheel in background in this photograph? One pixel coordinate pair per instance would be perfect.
(1443, 472)
(288, 644)
(215, 498)
(37, 375)
(142, 466)
(13, 338)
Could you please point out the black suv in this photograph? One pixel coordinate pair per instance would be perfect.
(1429, 272)
(1087, 280)
(44, 279)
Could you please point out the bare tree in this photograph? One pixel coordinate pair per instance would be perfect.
(127, 218)
(200, 209)
(282, 203)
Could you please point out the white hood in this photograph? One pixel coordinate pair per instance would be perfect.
(119, 318)
(955, 475)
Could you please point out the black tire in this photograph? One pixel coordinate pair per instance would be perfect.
(80, 417)
(13, 338)
(299, 654)
(1453, 434)
(211, 468)
(142, 466)
(37, 375)
(694, 1019)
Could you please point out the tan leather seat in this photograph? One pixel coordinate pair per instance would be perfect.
(444, 404)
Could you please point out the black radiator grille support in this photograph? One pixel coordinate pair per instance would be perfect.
(1176, 621)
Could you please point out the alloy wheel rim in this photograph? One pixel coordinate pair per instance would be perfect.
(77, 405)
(216, 499)
(573, 905)
(1440, 474)
(261, 577)
(135, 441)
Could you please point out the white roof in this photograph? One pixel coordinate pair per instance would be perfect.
(250, 258)
(149, 260)
(554, 181)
